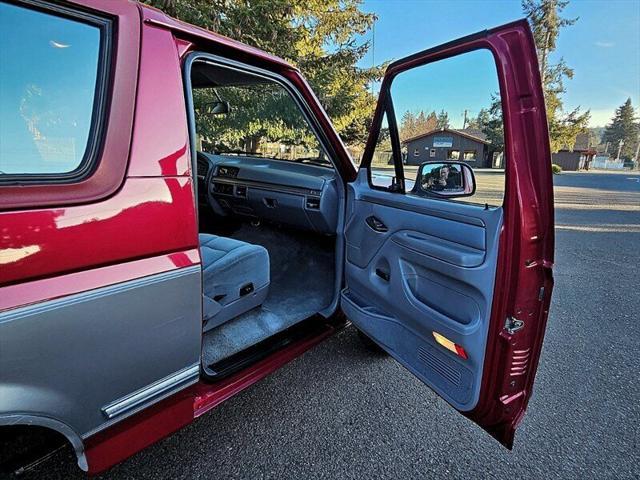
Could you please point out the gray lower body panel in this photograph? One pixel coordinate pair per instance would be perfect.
(82, 359)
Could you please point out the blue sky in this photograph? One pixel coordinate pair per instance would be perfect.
(603, 47)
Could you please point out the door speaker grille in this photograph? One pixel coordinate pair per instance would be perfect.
(439, 366)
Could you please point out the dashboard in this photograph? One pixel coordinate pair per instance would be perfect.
(296, 194)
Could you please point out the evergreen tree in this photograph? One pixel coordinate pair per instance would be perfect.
(623, 127)
(412, 125)
(489, 121)
(443, 120)
(494, 126)
(320, 37)
(480, 121)
(432, 121)
(546, 22)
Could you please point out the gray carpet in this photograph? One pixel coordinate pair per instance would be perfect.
(302, 284)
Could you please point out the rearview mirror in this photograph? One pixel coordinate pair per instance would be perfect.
(216, 108)
(445, 179)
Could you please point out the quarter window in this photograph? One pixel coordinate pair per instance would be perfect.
(48, 90)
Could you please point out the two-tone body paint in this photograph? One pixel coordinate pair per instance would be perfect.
(139, 239)
(100, 304)
(58, 243)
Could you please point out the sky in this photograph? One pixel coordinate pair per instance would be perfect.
(602, 47)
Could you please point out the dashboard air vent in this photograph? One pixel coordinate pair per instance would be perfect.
(313, 203)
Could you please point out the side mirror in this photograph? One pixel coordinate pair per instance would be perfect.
(445, 179)
(216, 108)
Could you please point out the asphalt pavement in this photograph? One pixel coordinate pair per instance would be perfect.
(340, 411)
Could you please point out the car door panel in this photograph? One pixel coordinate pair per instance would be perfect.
(427, 273)
(459, 294)
(436, 247)
(448, 235)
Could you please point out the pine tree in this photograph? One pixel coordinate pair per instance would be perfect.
(320, 37)
(480, 121)
(494, 127)
(623, 127)
(443, 120)
(432, 121)
(546, 22)
(412, 125)
(489, 121)
(407, 125)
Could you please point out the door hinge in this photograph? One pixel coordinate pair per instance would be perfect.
(512, 325)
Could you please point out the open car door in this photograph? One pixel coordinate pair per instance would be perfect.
(458, 292)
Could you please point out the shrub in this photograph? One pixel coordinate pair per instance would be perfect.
(556, 169)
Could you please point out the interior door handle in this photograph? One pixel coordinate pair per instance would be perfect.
(386, 276)
(376, 224)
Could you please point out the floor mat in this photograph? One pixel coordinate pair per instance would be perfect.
(302, 284)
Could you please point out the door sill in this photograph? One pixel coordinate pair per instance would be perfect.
(311, 327)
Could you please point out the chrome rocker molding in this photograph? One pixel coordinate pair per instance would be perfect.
(146, 394)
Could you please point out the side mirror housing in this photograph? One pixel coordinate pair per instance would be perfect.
(445, 179)
(216, 108)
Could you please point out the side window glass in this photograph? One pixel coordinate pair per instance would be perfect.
(445, 115)
(47, 91)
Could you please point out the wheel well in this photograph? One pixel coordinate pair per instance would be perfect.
(22, 444)
(25, 439)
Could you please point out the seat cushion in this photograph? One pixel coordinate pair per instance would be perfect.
(235, 277)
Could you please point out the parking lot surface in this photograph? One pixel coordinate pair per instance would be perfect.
(342, 412)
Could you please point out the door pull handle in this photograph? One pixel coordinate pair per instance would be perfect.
(376, 224)
(386, 276)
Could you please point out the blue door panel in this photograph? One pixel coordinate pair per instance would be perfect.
(431, 269)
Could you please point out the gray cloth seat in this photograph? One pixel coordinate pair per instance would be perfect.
(235, 278)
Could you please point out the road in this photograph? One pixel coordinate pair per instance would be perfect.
(341, 412)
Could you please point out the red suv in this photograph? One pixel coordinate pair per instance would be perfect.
(157, 256)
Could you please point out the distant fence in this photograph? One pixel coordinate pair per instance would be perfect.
(606, 163)
(382, 159)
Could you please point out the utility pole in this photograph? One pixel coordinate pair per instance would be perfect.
(620, 144)
(635, 157)
(464, 122)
